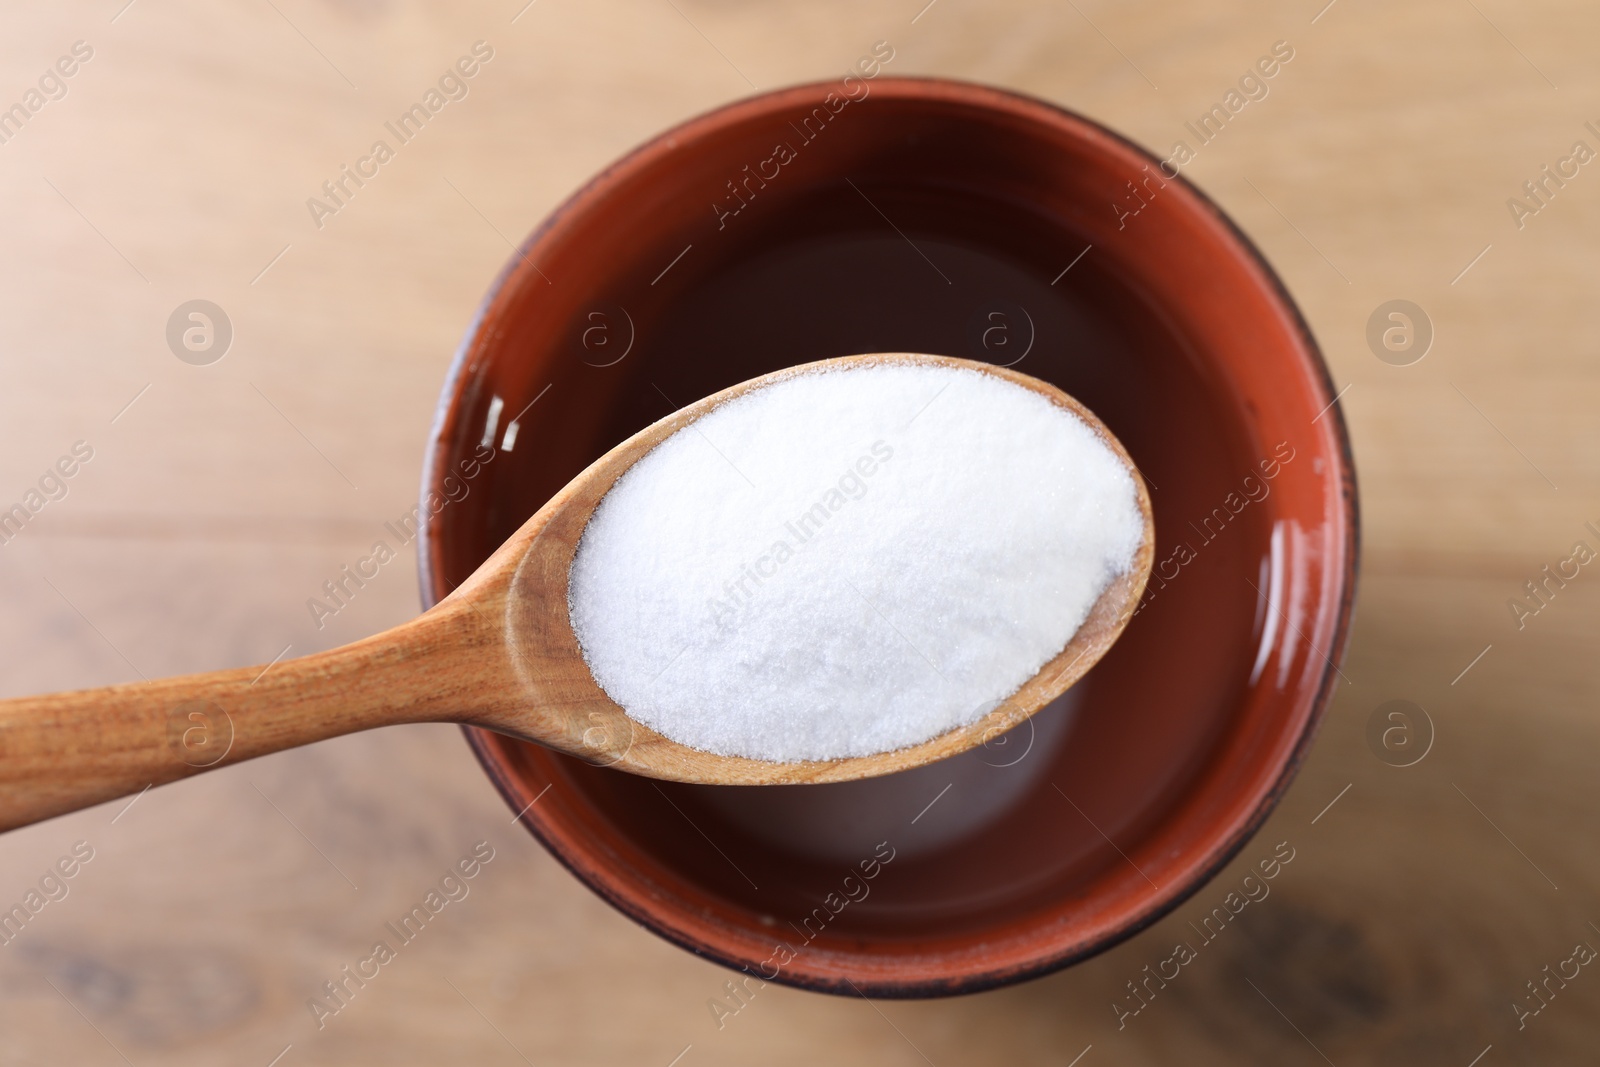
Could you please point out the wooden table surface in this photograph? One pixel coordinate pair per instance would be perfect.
(218, 498)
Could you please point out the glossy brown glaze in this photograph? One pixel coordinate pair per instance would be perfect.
(939, 217)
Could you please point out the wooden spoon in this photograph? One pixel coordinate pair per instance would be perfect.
(499, 652)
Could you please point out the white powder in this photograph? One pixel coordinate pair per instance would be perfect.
(848, 562)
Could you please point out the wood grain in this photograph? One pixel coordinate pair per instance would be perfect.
(1378, 167)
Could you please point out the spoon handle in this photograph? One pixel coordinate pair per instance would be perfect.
(64, 751)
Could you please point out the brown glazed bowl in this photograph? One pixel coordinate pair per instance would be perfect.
(915, 215)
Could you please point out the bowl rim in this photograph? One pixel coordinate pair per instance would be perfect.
(486, 745)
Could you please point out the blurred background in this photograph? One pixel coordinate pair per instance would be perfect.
(1444, 859)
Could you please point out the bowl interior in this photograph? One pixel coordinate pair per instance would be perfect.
(949, 219)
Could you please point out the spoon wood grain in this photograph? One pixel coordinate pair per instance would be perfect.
(498, 652)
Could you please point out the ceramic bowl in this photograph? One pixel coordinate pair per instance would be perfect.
(924, 215)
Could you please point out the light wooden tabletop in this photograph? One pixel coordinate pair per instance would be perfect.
(177, 166)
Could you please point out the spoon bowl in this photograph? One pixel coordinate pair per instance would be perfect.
(499, 652)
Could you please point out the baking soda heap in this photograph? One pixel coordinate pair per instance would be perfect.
(849, 561)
